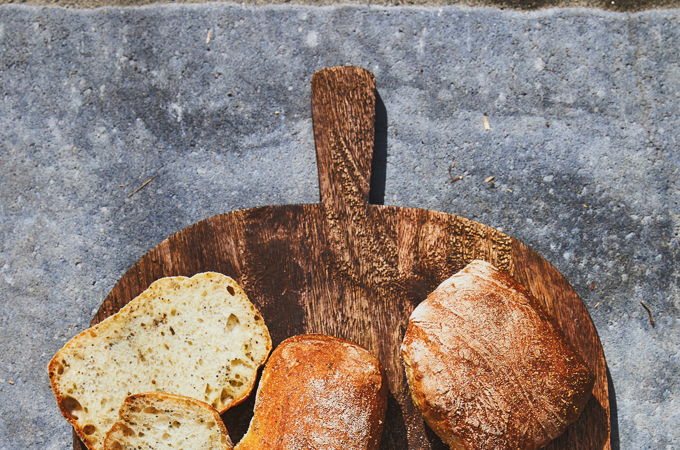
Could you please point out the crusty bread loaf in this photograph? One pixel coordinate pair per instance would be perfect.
(157, 421)
(487, 369)
(318, 392)
(199, 337)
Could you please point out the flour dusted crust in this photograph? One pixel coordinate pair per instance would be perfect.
(199, 337)
(318, 393)
(487, 369)
(159, 421)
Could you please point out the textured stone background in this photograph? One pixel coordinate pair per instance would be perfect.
(583, 107)
(613, 5)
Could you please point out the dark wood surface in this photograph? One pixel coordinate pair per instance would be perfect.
(350, 269)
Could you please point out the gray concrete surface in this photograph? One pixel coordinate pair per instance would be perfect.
(612, 5)
(583, 110)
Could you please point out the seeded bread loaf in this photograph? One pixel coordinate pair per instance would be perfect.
(159, 421)
(487, 369)
(318, 393)
(199, 337)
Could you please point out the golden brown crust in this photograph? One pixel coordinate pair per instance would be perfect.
(487, 369)
(318, 392)
(68, 405)
(65, 408)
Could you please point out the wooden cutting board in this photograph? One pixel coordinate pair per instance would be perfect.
(351, 269)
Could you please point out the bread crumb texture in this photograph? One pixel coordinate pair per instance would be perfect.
(159, 421)
(198, 337)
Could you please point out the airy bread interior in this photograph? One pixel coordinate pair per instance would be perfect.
(199, 337)
(158, 421)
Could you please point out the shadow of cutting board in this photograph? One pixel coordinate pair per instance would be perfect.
(354, 270)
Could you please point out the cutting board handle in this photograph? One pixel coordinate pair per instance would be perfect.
(343, 114)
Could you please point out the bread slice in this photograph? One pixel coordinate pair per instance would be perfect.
(318, 393)
(157, 421)
(199, 337)
(487, 369)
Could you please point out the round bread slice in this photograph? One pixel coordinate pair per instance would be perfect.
(318, 393)
(487, 369)
(159, 421)
(199, 337)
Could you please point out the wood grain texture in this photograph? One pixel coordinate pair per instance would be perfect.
(353, 270)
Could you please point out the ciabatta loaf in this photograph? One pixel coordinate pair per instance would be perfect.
(199, 337)
(486, 367)
(318, 393)
(159, 421)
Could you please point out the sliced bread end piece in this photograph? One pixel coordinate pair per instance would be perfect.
(199, 337)
(157, 421)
